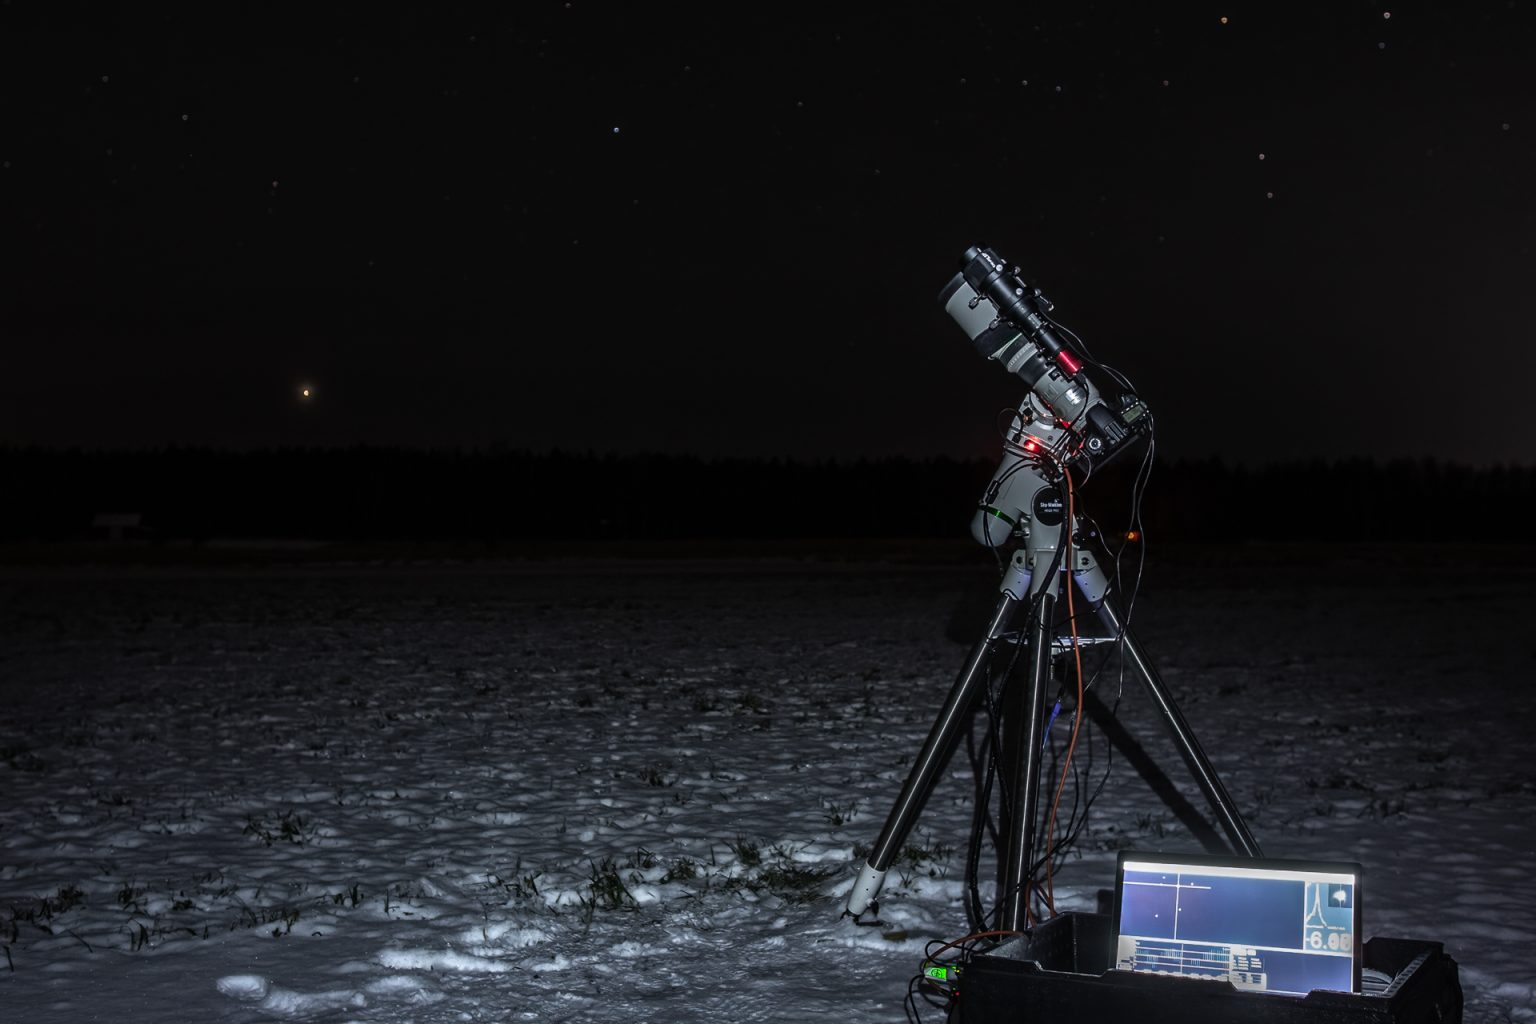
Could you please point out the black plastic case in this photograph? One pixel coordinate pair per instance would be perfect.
(1061, 973)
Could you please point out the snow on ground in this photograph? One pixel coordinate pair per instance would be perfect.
(612, 792)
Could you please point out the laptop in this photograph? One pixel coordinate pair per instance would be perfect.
(1264, 925)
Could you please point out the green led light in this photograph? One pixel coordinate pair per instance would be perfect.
(989, 510)
(940, 973)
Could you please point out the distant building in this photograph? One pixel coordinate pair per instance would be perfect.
(117, 525)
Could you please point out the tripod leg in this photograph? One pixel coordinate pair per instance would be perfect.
(1094, 587)
(1024, 721)
(930, 760)
(1153, 775)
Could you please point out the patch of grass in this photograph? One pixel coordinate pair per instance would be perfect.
(287, 827)
(928, 858)
(1383, 807)
(930, 852)
(1339, 780)
(793, 882)
(348, 897)
(775, 873)
(838, 815)
(681, 870)
(1113, 840)
(607, 889)
(747, 852)
(22, 760)
(521, 885)
(659, 774)
(283, 918)
(642, 859)
(45, 908)
(128, 898)
(38, 912)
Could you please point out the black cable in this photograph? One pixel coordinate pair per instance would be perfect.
(1074, 828)
(909, 1004)
(1043, 810)
(917, 989)
(1032, 621)
(1079, 803)
(1109, 757)
(1075, 822)
(995, 486)
(1075, 825)
(1138, 495)
(982, 824)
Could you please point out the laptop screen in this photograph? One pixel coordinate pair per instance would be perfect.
(1264, 925)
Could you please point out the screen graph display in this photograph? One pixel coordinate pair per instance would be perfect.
(1262, 927)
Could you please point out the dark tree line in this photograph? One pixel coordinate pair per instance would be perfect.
(390, 494)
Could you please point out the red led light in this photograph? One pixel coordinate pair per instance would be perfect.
(1068, 363)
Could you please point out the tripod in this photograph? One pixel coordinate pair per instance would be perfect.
(1050, 560)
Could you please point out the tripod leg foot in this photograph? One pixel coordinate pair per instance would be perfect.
(865, 888)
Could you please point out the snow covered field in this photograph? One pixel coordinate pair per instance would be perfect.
(616, 792)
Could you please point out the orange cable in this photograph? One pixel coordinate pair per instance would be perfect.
(1077, 716)
(957, 943)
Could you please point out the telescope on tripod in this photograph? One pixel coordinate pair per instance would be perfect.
(1066, 424)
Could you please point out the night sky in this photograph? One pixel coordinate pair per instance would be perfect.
(1302, 229)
